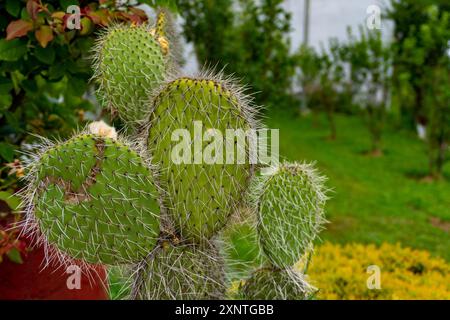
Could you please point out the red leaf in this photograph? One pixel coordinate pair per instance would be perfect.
(33, 8)
(18, 28)
(44, 35)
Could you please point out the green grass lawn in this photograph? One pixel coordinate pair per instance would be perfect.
(373, 199)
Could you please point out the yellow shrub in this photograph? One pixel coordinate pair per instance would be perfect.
(340, 272)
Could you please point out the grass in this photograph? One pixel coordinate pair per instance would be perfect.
(374, 200)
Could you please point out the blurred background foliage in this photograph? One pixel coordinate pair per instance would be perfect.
(246, 38)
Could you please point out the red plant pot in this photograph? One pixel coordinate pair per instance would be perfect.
(30, 280)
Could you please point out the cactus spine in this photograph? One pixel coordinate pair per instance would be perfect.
(103, 200)
(183, 271)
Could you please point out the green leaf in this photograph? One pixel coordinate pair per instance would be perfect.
(45, 55)
(24, 14)
(13, 7)
(56, 71)
(5, 85)
(12, 50)
(76, 86)
(169, 4)
(17, 79)
(11, 200)
(7, 151)
(5, 101)
(14, 256)
(65, 3)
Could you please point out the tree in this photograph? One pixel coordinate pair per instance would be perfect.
(247, 39)
(436, 85)
(412, 57)
(370, 63)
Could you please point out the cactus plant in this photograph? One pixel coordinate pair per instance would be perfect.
(101, 199)
(130, 61)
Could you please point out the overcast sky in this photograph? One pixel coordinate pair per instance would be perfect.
(330, 18)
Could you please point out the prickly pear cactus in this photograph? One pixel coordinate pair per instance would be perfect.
(163, 206)
(95, 200)
(291, 212)
(130, 61)
(200, 195)
(183, 271)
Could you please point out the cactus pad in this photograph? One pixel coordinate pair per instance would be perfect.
(95, 200)
(290, 213)
(185, 272)
(129, 64)
(201, 195)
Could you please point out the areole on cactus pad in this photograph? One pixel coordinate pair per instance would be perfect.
(95, 200)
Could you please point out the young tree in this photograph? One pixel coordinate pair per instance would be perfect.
(436, 85)
(412, 56)
(331, 75)
(248, 39)
(370, 63)
(309, 66)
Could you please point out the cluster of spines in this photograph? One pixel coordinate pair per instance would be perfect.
(181, 271)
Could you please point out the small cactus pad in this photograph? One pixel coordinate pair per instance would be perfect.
(202, 194)
(276, 284)
(241, 249)
(291, 212)
(95, 200)
(184, 272)
(129, 64)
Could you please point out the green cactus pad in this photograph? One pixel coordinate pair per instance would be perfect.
(129, 64)
(200, 195)
(95, 200)
(184, 272)
(276, 284)
(291, 213)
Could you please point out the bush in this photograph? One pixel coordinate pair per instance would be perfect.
(341, 272)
